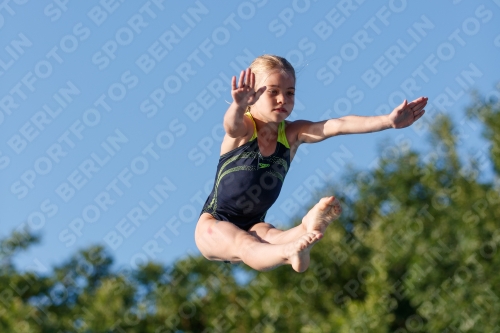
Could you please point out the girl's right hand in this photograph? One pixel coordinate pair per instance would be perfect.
(245, 94)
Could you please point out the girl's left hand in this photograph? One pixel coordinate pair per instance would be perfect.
(406, 113)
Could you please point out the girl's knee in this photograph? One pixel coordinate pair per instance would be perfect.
(200, 237)
(245, 245)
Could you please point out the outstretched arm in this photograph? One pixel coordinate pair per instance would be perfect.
(243, 95)
(402, 116)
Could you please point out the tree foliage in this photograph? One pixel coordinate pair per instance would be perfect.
(416, 250)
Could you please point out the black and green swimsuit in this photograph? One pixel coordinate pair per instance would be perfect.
(247, 184)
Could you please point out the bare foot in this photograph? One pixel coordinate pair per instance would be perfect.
(298, 251)
(322, 214)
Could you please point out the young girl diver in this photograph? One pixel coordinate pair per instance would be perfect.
(255, 156)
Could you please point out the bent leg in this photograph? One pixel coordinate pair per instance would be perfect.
(220, 240)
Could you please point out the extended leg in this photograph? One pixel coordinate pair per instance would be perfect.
(322, 214)
(267, 233)
(316, 221)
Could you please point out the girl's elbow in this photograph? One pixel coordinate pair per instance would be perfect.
(230, 131)
(233, 131)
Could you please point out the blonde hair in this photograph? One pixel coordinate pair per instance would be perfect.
(268, 63)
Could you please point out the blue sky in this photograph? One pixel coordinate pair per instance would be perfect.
(111, 111)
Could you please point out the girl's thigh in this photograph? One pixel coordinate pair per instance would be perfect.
(260, 231)
(221, 240)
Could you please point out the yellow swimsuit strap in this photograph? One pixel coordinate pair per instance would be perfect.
(282, 135)
(281, 131)
(254, 136)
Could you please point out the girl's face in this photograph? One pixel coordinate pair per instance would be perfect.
(277, 101)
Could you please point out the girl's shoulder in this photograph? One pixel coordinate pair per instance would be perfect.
(293, 129)
(296, 125)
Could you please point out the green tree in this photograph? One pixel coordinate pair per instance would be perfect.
(416, 250)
